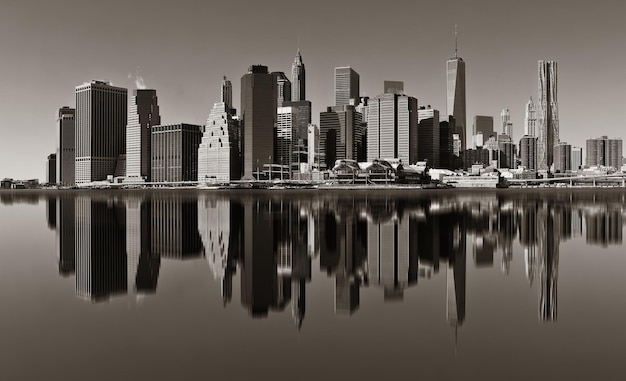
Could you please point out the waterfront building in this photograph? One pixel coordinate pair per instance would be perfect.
(530, 119)
(283, 88)
(604, 152)
(101, 118)
(258, 118)
(446, 157)
(548, 121)
(341, 135)
(51, 169)
(456, 102)
(302, 111)
(143, 113)
(298, 79)
(562, 157)
(392, 128)
(528, 152)
(219, 157)
(577, 158)
(175, 152)
(428, 137)
(346, 85)
(65, 149)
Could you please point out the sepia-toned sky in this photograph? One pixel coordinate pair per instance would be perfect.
(183, 49)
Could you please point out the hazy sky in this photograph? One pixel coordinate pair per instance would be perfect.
(184, 47)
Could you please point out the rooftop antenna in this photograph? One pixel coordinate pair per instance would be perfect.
(456, 42)
(298, 43)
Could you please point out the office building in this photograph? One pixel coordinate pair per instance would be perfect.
(283, 88)
(286, 134)
(528, 152)
(313, 146)
(446, 129)
(507, 125)
(428, 137)
(302, 109)
(341, 135)
(392, 128)
(548, 120)
(506, 152)
(530, 119)
(51, 169)
(175, 152)
(484, 125)
(577, 158)
(258, 118)
(143, 113)
(393, 87)
(219, 158)
(604, 152)
(101, 118)
(298, 79)
(346, 85)
(65, 149)
(456, 102)
(562, 157)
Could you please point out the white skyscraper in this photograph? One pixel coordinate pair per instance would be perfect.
(392, 128)
(218, 153)
(507, 126)
(530, 121)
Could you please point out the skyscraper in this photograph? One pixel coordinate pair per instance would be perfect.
(286, 134)
(258, 112)
(392, 128)
(455, 73)
(51, 169)
(548, 114)
(528, 152)
(341, 134)
(507, 125)
(298, 79)
(530, 121)
(482, 130)
(175, 152)
(577, 158)
(101, 111)
(604, 152)
(562, 157)
(219, 159)
(283, 88)
(65, 146)
(143, 113)
(428, 137)
(346, 85)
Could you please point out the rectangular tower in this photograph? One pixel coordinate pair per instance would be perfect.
(548, 114)
(65, 146)
(175, 152)
(455, 74)
(341, 135)
(428, 137)
(346, 85)
(101, 111)
(143, 113)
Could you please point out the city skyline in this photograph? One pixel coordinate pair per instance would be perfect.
(500, 67)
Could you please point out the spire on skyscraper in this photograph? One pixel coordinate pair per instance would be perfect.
(456, 43)
(298, 77)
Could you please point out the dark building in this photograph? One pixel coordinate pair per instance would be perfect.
(143, 114)
(175, 152)
(174, 229)
(298, 79)
(66, 144)
(283, 88)
(528, 152)
(66, 235)
(478, 156)
(51, 169)
(429, 136)
(484, 125)
(446, 157)
(341, 134)
(258, 116)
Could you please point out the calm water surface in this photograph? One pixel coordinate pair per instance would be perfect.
(117, 285)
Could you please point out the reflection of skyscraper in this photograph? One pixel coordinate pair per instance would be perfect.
(174, 225)
(143, 264)
(548, 263)
(604, 227)
(456, 274)
(101, 264)
(65, 235)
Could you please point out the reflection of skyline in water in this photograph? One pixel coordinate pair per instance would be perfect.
(115, 246)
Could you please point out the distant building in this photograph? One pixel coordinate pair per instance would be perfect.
(143, 113)
(51, 169)
(456, 101)
(101, 118)
(528, 152)
(258, 118)
(446, 157)
(219, 156)
(66, 145)
(283, 88)
(484, 125)
(577, 158)
(562, 157)
(428, 137)
(392, 128)
(507, 126)
(341, 135)
(313, 141)
(506, 152)
(548, 114)
(604, 152)
(393, 87)
(346, 85)
(175, 152)
(286, 134)
(530, 120)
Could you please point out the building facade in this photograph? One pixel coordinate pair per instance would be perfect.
(548, 120)
(219, 157)
(604, 152)
(101, 118)
(528, 152)
(562, 157)
(143, 113)
(283, 88)
(175, 152)
(577, 158)
(428, 137)
(51, 169)
(66, 149)
(346, 85)
(258, 118)
(506, 124)
(530, 119)
(341, 135)
(456, 102)
(298, 79)
(392, 128)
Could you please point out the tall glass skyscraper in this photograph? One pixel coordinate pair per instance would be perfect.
(548, 114)
(455, 72)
